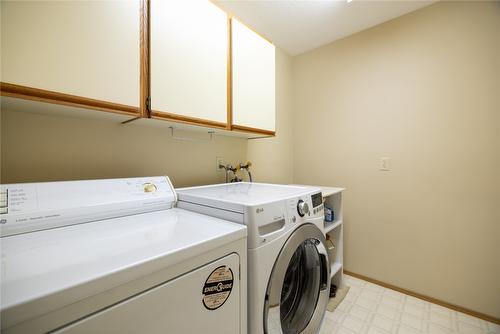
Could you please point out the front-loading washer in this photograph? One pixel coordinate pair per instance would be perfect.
(288, 271)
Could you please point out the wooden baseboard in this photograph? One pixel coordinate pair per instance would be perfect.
(426, 298)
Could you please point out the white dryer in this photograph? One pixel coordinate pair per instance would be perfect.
(115, 256)
(288, 271)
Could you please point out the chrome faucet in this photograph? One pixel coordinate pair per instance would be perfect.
(230, 170)
(247, 169)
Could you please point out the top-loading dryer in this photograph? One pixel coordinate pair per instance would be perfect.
(288, 271)
(116, 256)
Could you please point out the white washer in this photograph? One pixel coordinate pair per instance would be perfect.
(114, 256)
(288, 271)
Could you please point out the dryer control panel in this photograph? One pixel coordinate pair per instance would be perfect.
(28, 207)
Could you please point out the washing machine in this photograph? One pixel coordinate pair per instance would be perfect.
(116, 256)
(288, 271)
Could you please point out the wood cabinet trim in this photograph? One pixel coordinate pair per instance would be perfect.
(36, 94)
(248, 129)
(144, 47)
(187, 120)
(229, 73)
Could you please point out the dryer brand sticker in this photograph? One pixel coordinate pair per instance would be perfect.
(217, 287)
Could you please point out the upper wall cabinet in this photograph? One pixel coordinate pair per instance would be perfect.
(253, 78)
(86, 49)
(189, 62)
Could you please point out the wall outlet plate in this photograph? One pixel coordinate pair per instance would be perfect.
(219, 161)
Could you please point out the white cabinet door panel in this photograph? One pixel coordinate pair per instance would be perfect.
(84, 48)
(253, 79)
(189, 46)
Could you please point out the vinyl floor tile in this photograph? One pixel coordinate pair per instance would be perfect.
(372, 309)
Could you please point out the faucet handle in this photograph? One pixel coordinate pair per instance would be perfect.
(248, 165)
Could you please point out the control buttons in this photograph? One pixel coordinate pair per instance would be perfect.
(4, 203)
(302, 208)
(149, 188)
(318, 209)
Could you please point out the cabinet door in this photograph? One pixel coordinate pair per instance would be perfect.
(253, 79)
(85, 48)
(189, 57)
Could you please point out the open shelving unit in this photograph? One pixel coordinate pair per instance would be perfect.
(332, 198)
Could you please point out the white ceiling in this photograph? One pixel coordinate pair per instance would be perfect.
(300, 26)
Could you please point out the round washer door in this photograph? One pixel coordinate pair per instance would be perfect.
(298, 289)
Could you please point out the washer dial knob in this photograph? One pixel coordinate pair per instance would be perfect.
(302, 208)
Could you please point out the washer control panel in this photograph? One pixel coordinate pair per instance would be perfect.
(305, 207)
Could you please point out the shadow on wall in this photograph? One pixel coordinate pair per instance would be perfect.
(68, 148)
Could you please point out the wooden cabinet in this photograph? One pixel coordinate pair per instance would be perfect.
(189, 62)
(253, 80)
(181, 61)
(80, 52)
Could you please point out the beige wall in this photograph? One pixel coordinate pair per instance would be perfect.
(39, 147)
(423, 90)
(272, 157)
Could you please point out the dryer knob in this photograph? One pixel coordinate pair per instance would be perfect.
(302, 208)
(149, 188)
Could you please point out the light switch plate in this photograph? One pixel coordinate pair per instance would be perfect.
(385, 164)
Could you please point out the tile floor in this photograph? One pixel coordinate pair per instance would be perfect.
(372, 309)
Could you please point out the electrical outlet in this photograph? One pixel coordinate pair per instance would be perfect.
(219, 161)
(385, 164)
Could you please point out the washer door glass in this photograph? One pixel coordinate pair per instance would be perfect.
(298, 290)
